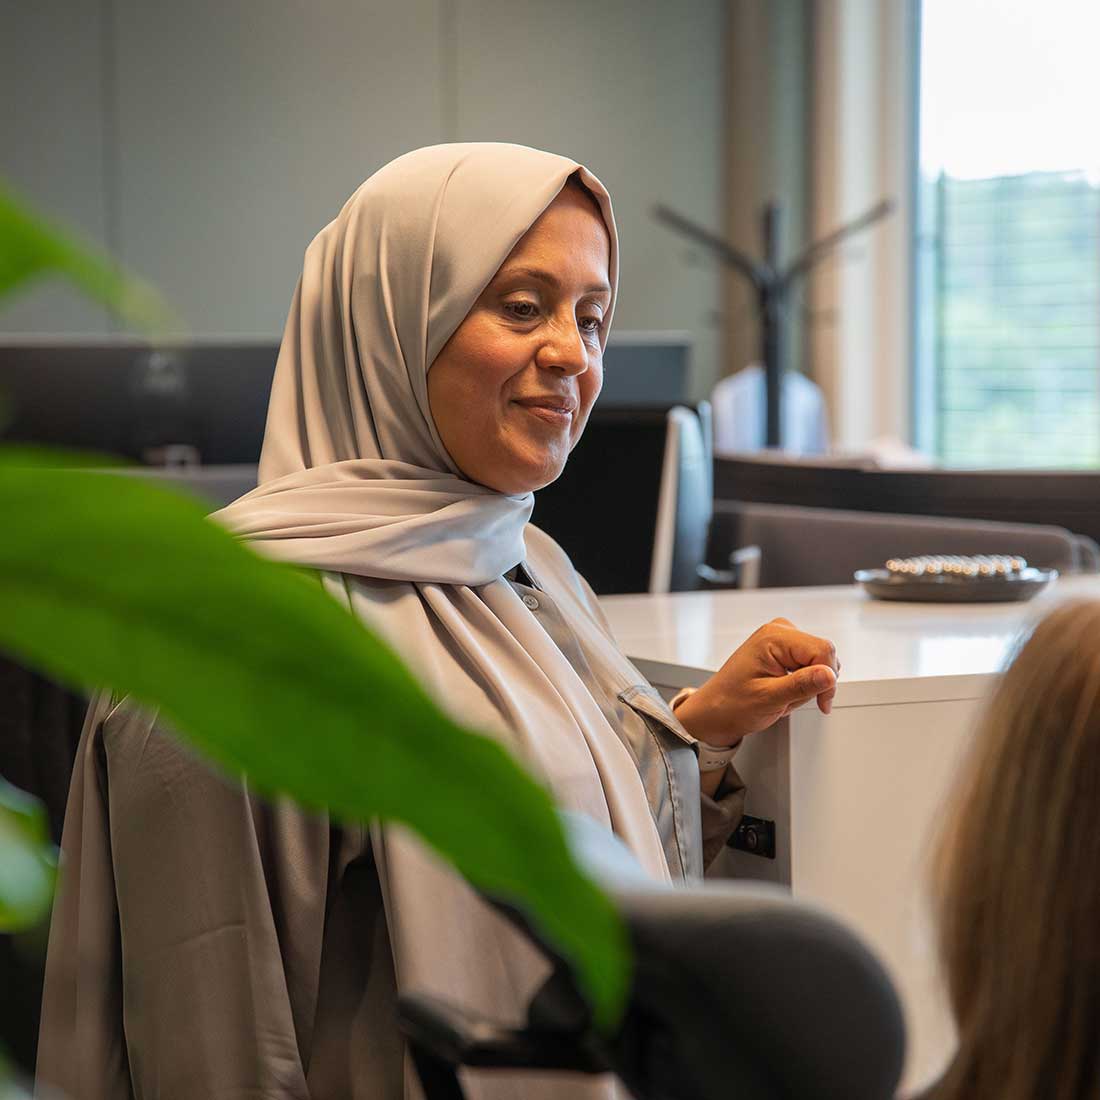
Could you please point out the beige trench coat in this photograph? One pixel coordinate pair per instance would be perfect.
(208, 944)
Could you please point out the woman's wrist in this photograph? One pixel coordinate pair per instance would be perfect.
(712, 765)
(704, 718)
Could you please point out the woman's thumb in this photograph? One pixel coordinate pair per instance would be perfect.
(805, 684)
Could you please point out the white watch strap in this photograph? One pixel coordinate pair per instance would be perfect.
(712, 759)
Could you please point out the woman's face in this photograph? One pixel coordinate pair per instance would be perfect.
(512, 389)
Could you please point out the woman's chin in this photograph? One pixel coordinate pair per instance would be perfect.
(517, 475)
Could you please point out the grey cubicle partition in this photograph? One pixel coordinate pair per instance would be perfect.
(124, 397)
(817, 520)
(808, 546)
(1057, 498)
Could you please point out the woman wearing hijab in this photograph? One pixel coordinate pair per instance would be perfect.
(441, 356)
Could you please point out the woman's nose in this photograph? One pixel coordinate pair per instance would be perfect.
(564, 351)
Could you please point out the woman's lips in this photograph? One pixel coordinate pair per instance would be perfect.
(553, 410)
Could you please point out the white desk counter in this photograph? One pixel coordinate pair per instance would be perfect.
(855, 796)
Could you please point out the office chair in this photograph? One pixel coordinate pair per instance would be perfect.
(685, 511)
(684, 501)
(738, 991)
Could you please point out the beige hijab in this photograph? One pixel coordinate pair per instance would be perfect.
(355, 481)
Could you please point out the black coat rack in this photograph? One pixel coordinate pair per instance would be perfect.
(772, 285)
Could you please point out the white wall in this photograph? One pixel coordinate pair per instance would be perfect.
(51, 139)
(205, 142)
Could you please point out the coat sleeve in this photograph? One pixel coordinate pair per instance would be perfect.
(719, 815)
(185, 943)
(722, 813)
(81, 1052)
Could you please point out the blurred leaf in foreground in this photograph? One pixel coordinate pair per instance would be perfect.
(32, 247)
(28, 863)
(108, 581)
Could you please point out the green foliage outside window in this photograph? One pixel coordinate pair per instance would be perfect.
(1017, 329)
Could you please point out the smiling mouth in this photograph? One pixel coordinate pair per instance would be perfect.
(554, 410)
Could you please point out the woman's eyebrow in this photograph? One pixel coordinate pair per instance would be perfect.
(541, 275)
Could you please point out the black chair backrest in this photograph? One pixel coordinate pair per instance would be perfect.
(688, 502)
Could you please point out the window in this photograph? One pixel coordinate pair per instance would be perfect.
(1008, 233)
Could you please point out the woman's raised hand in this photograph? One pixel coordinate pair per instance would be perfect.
(774, 672)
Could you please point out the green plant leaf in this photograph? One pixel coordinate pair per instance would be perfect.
(11, 1087)
(108, 581)
(34, 456)
(32, 247)
(28, 860)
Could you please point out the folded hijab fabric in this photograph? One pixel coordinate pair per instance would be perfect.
(353, 475)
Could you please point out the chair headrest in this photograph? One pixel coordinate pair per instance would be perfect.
(758, 995)
(741, 990)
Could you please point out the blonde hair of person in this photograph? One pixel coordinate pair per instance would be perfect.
(1017, 877)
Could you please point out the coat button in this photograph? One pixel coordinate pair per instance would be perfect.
(531, 602)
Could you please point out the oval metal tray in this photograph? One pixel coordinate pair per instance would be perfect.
(883, 585)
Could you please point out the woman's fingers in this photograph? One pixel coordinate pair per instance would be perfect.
(774, 671)
(804, 655)
(801, 649)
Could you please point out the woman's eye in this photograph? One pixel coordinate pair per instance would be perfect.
(522, 311)
(591, 324)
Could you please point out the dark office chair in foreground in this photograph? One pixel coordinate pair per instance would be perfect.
(739, 993)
